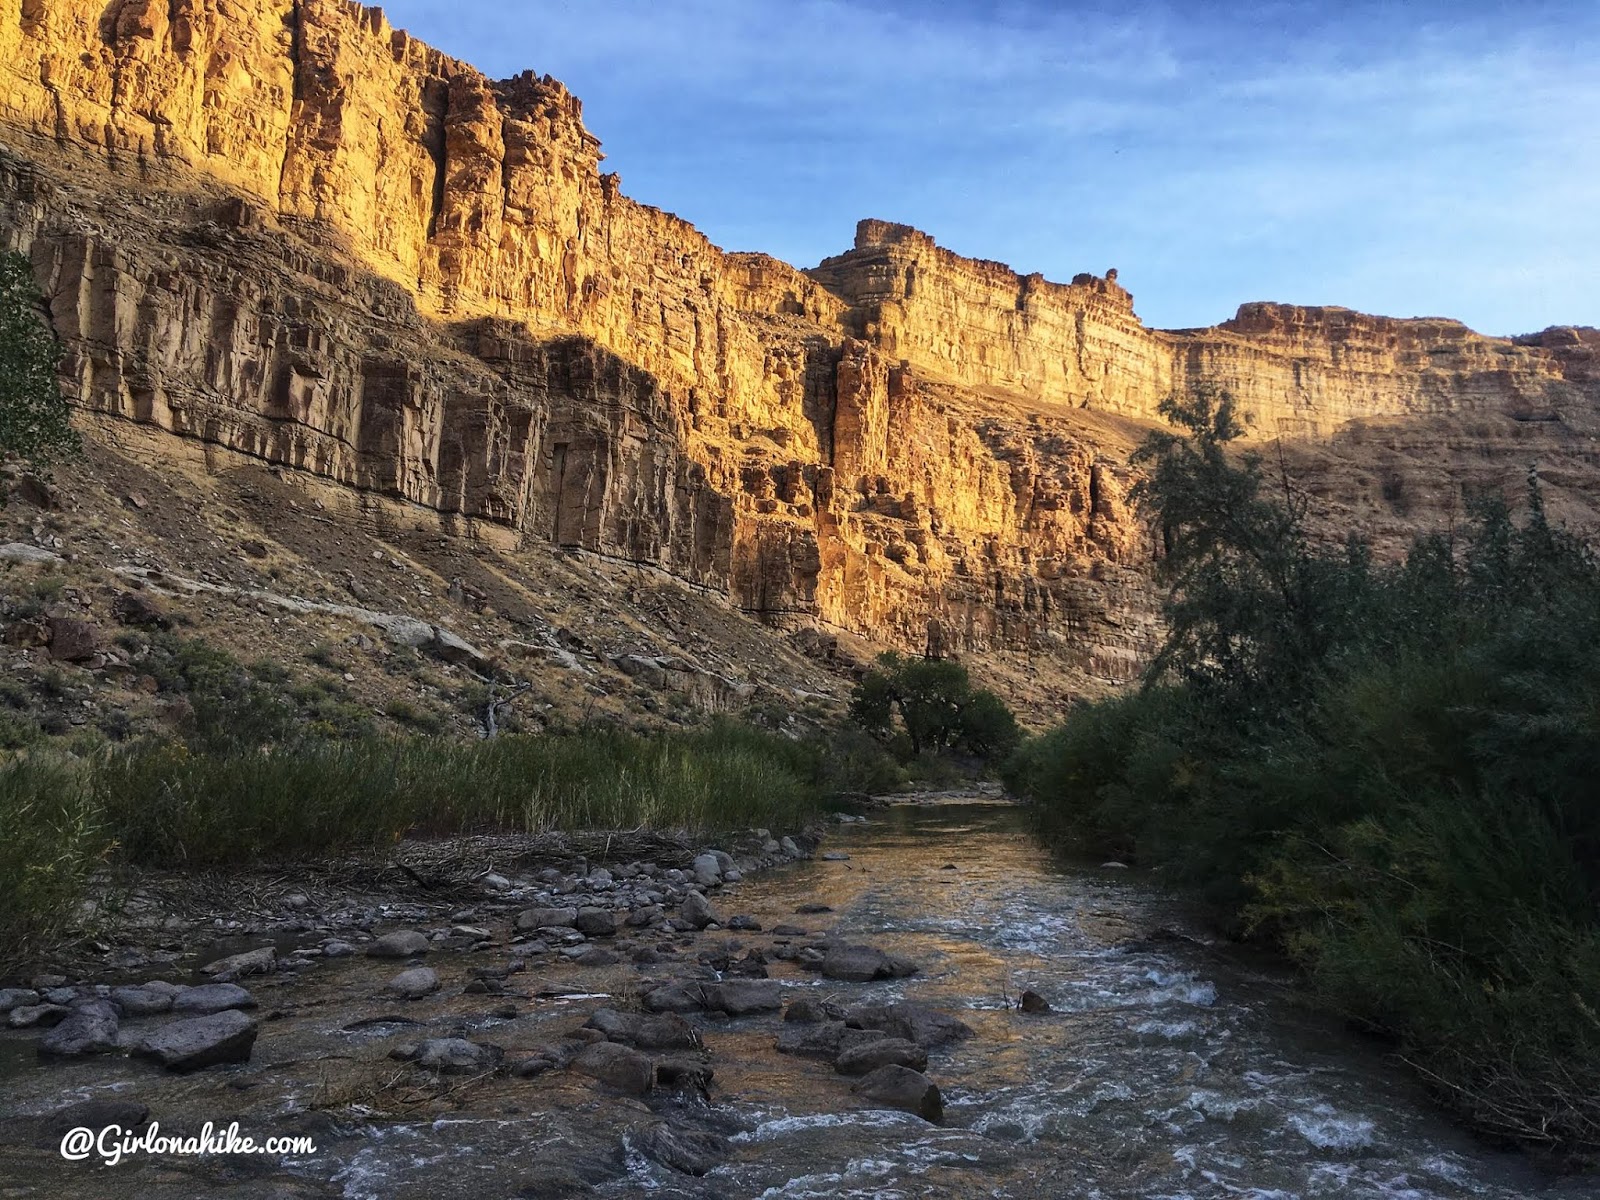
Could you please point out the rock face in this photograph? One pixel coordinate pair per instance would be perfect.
(282, 228)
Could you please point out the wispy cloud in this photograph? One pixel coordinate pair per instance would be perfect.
(1408, 159)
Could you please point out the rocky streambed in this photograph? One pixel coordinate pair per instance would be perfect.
(848, 1024)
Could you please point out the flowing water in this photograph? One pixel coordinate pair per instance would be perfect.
(1166, 1068)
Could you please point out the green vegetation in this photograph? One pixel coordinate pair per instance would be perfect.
(35, 422)
(925, 705)
(263, 770)
(1390, 772)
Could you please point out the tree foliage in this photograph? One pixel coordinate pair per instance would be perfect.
(935, 705)
(35, 422)
(1388, 770)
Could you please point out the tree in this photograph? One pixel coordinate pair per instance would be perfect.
(35, 421)
(936, 704)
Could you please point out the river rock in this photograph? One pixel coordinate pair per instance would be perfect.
(824, 1040)
(90, 1028)
(212, 998)
(11, 998)
(707, 870)
(863, 964)
(697, 910)
(744, 924)
(928, 1027)
(237, 966)
(97, 1114)
(414, 984)
(451, 1056)
(30, 1015)
(530, 919)
(595, 922)
(1032, 1002)
(905, 1089)
(806, 910)
(678, 996)
(617, 1066)
(402, 943)
(335, 948)
(689, 1151)
(741, 997)
(685, 1074)
(200, 1042)
(644, 1032)
(835, 856)
(144, 999)
(866, 1057)
(809, 1010)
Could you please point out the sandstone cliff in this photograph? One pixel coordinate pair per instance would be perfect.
(289, 231)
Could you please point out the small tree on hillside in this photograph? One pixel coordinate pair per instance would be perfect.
(35, 422)
(936, 705)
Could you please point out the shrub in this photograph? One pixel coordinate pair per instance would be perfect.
(52, 841)
(1388, 771)
(933, 703)
(35, 422)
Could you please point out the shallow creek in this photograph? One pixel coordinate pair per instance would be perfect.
(1167, 1068)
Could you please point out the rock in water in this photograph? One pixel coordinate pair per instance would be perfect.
(414, 984)
(863, 964)
(212, 998)
(617, 1066)
(403, 943)
(867, 1057)
(905, 1089)
(90, 1028)
(236, 966)
(690, 1151)
(224, 1037)
(1032, 1002)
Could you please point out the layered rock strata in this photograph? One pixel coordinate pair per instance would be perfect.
(285, 229)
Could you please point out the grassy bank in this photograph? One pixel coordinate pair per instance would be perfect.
(1389, 772)
(173, 804)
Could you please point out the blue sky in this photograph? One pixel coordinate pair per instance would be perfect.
(1410, 158)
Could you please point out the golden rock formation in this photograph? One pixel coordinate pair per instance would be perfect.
(292, 232)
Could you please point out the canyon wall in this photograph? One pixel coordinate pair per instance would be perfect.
(288, 230)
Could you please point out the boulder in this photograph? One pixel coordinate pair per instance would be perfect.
(414, 984)
(824, 1040)
(644, 1032)
(902, 1088)
(11, 998)
(697, 910)
(863, 964)
(678, 996)
(866, 1057)
(595, 922)
(530, 919)
(452, 1056)
(237, 966)
(144, 999)
(741, 997)
(211, 998)
(29, 1015)
(688, 1151)
(928, 1027)
(73, 640)
(707, 870)
(1032, 1002)
(617, 1066)
(200, 1042)
(808, 1010)
(402, 943)
(90, 1028)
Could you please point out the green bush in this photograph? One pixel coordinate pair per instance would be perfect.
(1387, 771)
(35, 421)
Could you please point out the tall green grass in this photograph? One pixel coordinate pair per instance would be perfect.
(172, 805)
